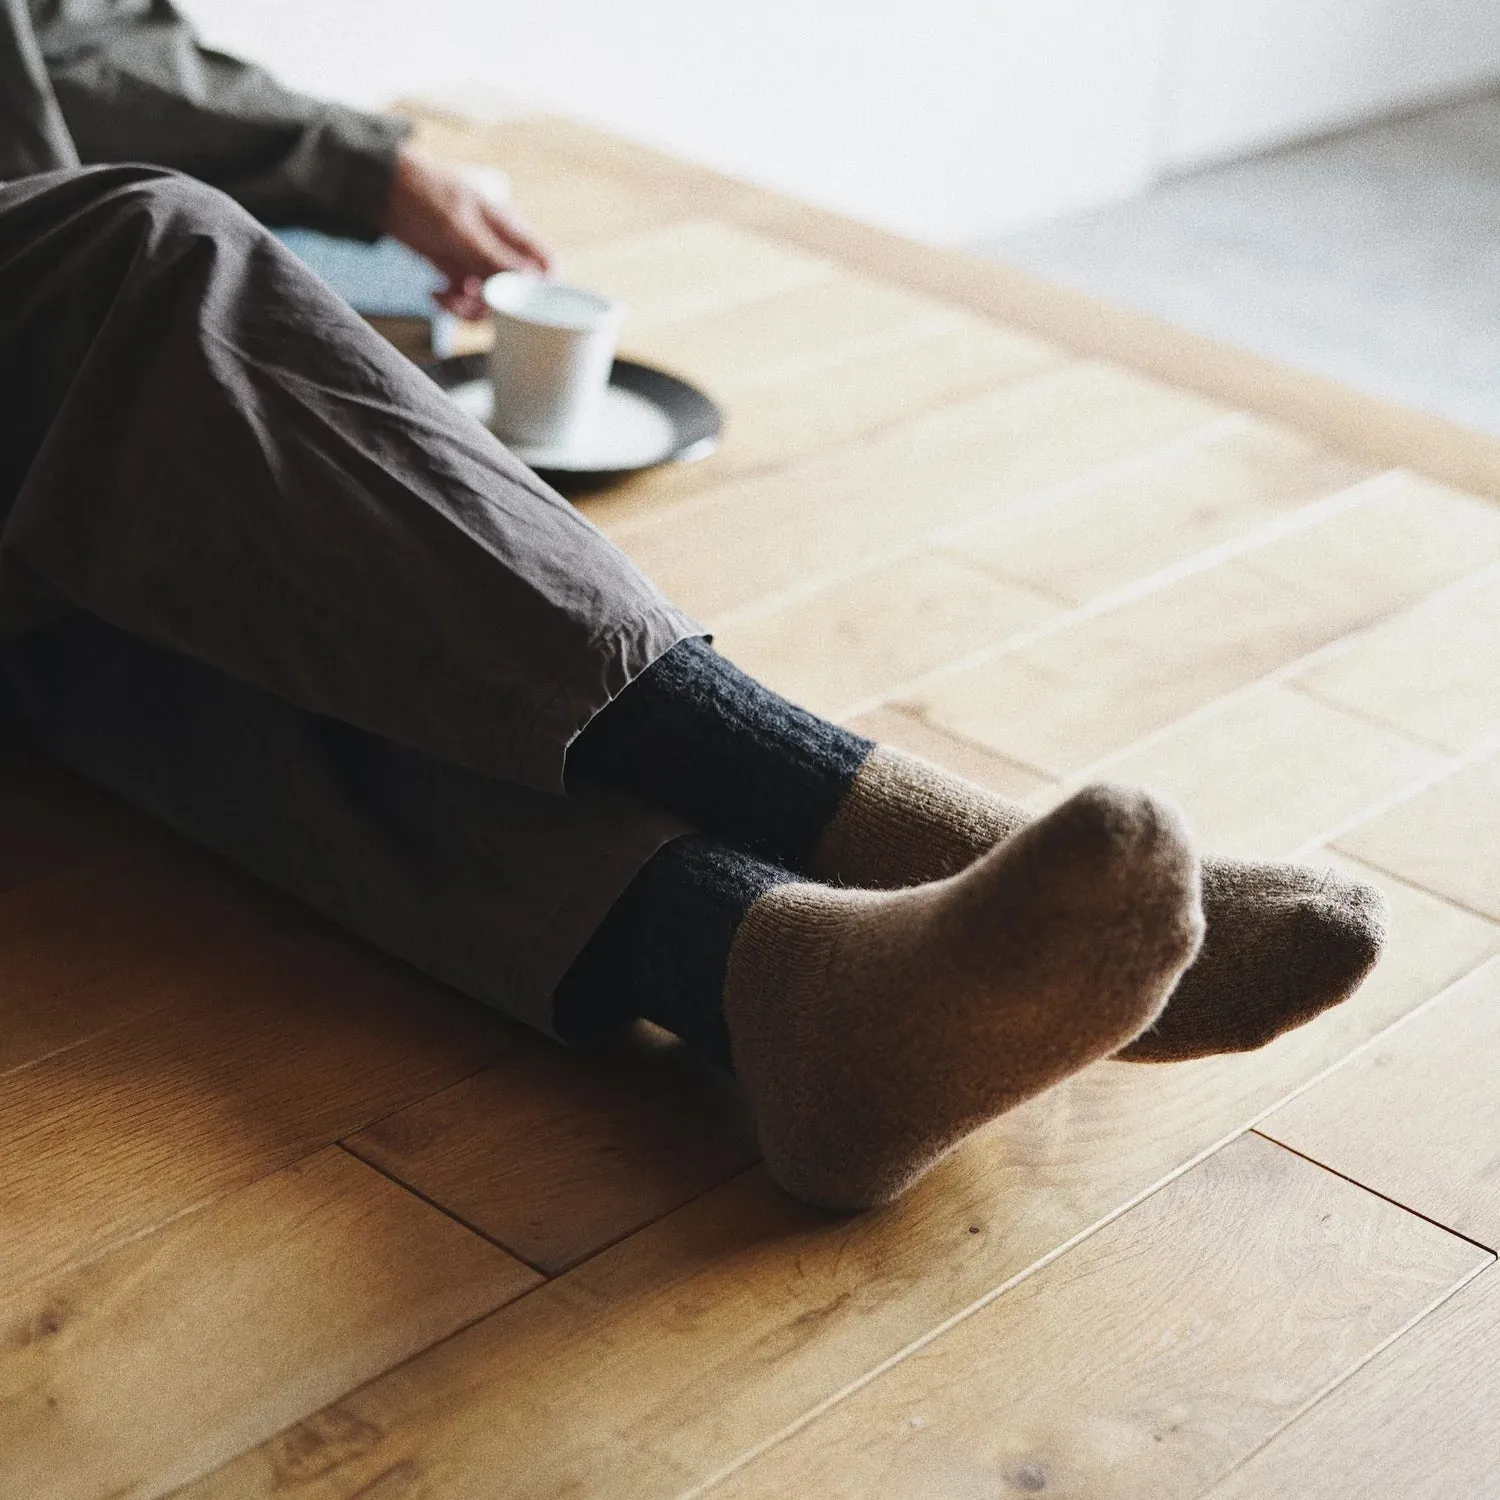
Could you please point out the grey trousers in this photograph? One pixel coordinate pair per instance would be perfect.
(259, 577)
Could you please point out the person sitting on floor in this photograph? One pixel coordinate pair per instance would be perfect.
(260, 578)
(97, 81)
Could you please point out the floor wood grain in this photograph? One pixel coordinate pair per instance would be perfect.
(1430, 672)
(146, 1367)
(1228, 1302)
(1445, 838)
(1417, 1423)
(276, 1053)
(1273, 771)
(1215, 489)
(1417, 1116)
(773, 423)
(597, 1144)
(1033, 538)
(707, 1333)
(834, 513)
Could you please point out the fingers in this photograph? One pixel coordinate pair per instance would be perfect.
(517, 236)
(465, 236)
(490, 241)
(463, 297)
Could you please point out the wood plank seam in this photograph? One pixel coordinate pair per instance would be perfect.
(1344, 418)
(1373, 1354)
(972, 1386)
(719, 1476)
(759, 1450)
(1363, 492)
(979, 1303)
(742, 1460)
(969, 742)
(1250, 1127)
(1374, 1040)
(682, 508)
(274, 1236)
(91, 1036)
(1283, 675)
(871, 431)
(1455, 762)
(946, 537)
(1278, 677)
(1446, 897)
(68, 1267)
(1364, 714)
(938, 319)
(442, 1208)
(1491, 1250)
(458, 1078)
(1107, 603)
(505, 1245)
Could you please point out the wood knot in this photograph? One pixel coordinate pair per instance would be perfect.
(321, 1444)
(1028, 1478)
(45, 1325)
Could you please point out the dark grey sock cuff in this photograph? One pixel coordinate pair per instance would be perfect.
(661, 952)
(697, 736)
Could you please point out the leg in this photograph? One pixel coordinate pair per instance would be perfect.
(490, 887)
(290, 505)
(207, 449)
(1284, 942)
(872, 1031)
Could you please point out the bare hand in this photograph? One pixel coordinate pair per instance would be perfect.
(434, 211)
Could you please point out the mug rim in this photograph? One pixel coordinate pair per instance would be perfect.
(502, 289)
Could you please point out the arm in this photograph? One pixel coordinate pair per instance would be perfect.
(136, 86)
(33, 137)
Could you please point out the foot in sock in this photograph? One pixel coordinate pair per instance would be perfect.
(1284, 942)
(874, 1030)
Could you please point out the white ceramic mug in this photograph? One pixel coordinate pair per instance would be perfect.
(550, 362)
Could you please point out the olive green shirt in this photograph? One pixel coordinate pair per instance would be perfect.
(92, 81)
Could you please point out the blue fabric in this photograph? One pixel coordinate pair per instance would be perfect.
(383, 280)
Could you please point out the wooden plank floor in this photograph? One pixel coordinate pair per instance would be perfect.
(280, 1218)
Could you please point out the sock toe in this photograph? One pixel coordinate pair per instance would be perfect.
(873, 1031)
(1340, 931)
(1285, 943)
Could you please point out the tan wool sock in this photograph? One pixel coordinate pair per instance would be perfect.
(874, 1030)
(1284, 943)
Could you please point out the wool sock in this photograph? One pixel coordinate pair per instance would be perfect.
(661, 952)
(873, 1031)
(1284, 942)
(699, 737)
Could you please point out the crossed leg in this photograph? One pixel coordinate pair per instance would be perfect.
(268, 585)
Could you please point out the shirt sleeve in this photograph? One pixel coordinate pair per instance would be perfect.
(142, 88)
(33, 137)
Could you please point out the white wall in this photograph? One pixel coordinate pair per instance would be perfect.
(1247, 74)
(949, 119)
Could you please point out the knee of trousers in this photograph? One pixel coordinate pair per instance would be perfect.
(134, 200)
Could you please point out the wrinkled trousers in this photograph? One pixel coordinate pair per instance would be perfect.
(259, 577)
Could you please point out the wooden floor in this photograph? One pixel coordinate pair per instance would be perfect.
(279, 1218)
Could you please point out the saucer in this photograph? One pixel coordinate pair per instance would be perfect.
(647, 417)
